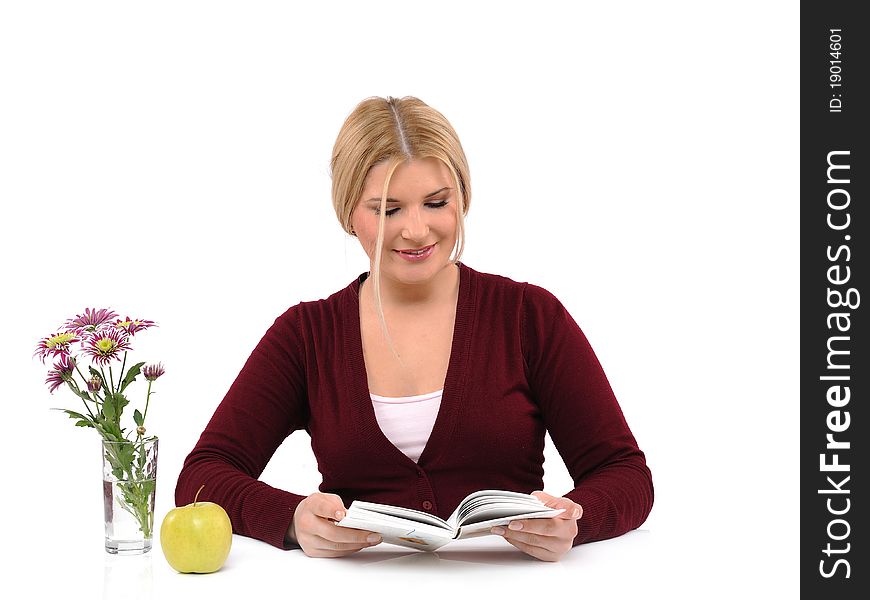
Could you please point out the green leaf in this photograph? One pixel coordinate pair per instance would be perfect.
(113, 407)
(138, 418)
(125, 453)
(148, 487)
(109, 408)
(109, 430)
(72, 414)
(130, 377)
(82, 420)
(120, 403)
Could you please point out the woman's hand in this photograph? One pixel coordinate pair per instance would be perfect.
(314, 529)
(545, 539)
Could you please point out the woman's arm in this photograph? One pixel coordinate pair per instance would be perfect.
(263, 406)
(612, 482)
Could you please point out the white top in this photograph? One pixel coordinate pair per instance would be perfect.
(407, 421)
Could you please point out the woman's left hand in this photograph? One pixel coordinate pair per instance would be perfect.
(545, 539)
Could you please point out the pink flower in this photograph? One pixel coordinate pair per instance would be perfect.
(61, 373)
(131, 326)
(55, 345)
(106, 345)
(152, 372)
(94, 384)
(91, 320)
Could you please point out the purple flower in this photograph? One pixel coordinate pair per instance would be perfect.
(94, 384)
(132, 326)
(106, 345)
(61, 373)
(55, 345)
(152, 372)
(91, 320)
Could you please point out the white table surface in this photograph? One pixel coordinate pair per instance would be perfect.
(55, 548)
(482, 566)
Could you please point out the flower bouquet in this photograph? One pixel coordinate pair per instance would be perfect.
(129, 457)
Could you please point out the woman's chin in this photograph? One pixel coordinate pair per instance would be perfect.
(419, 278)
(414, 274)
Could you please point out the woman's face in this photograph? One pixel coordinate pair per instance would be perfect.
(420, 216)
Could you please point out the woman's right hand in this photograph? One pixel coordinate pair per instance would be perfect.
(314, 529)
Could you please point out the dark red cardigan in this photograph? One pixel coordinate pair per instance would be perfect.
(519, 365)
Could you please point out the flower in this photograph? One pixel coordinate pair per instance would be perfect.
(152, 372)
(94, 384)
(91, 320)
(131, 326)
(103, 338)
(62, 372)
(56, 344)
(106, 345)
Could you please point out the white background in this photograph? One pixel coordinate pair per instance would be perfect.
(639, 160)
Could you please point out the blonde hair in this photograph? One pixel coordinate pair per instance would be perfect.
(394, 130)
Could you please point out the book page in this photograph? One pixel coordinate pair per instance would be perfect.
(400, 512)
(398, 531)
(479, 528)
(487, 505)
(480, 508)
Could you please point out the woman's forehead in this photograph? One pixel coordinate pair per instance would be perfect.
(423, 171)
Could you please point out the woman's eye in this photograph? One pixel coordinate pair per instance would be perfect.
(390, 211)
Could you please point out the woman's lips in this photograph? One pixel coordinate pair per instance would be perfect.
(416, 255)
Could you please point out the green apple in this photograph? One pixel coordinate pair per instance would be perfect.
(196, 538)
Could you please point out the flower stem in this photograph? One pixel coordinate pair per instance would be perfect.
(84, 379)
(74, 386)
(147, 400)
(72, 383)
(121, 376)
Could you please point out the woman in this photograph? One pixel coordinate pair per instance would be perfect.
(423, 382)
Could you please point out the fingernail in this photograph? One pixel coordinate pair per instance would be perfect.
(497, 530)
(576, 513)
(339, 514)
(516, 526)
(373, 538)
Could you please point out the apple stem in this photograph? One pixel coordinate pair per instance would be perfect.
(197, 493)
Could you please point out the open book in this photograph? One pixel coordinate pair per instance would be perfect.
(474, 517)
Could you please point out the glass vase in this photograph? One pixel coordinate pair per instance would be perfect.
(129, 484)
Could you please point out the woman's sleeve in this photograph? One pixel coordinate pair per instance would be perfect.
(263, 406)
(611, 479)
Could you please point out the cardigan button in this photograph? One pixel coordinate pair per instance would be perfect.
(427, 505)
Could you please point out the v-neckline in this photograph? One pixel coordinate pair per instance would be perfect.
(451, 399)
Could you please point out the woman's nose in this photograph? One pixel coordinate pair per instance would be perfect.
(416, 227)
